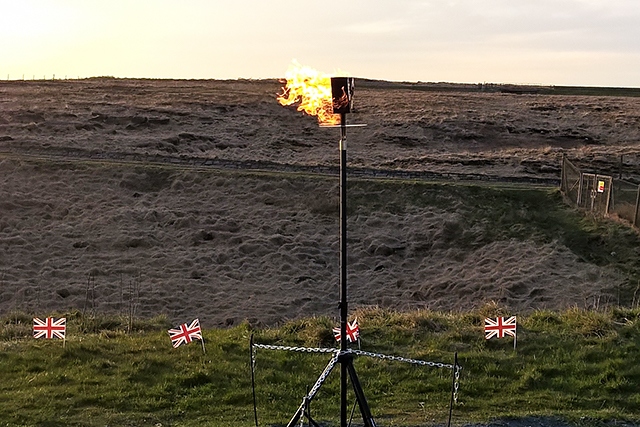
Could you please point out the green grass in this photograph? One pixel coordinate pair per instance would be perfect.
(577, 365)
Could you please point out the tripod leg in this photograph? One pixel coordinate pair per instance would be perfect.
(307, 413)
(301, 409)
(296, 417)
(362, 401)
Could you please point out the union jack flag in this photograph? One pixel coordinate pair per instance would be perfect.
(184, 333)
(500, 327)
(49, 328)
(353, 331)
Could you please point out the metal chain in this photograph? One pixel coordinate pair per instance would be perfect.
(322, 377)
(336, 355)
(360, 353)
(403, 359)
(254, 352)
(456, 383)
(299, 349)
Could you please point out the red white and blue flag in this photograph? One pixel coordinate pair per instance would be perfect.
(353, 331)
(500, 327)
(49, 328)
(184, 333)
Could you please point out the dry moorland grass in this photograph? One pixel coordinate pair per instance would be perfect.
(227, 246)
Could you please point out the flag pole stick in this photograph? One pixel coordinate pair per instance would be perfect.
(253, 380)
(453, 387)
(204, 350)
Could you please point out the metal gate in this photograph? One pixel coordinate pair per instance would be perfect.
(571, 179)
(595, 192)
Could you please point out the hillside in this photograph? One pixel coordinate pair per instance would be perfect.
(152, 196)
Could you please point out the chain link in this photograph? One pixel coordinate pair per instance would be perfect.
(254, 353)
(323, 377)
(298, 349)
(456, 383)
(403, 359)
(337, 353)
(361, 353)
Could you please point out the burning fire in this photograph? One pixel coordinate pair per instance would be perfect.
(312, 90)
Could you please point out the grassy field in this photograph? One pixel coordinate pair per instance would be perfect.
(578, 365)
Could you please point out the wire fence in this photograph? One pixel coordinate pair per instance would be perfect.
(601, 194)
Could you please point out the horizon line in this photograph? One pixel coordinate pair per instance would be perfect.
(404, 82)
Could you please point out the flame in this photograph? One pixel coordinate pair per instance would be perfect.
(312, 90)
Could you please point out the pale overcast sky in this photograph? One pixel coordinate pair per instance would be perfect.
(557, 42)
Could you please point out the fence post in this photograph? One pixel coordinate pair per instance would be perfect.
(635, 217)
(579, 201)
(563, 186)
(621, 162)
(609, 196)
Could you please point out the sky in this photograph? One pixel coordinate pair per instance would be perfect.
(545, 42)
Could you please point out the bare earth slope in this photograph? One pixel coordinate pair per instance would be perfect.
(226, 245)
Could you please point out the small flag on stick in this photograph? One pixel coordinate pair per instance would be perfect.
(353, 331)
(50, 328)
(184, 334)
(500, 328)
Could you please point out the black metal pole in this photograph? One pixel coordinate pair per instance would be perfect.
(453, 387)
(343, 268)
(253, 381)
(636, 220)
(367, 419)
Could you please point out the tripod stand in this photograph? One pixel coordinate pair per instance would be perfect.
(346, 359)
(346, 363)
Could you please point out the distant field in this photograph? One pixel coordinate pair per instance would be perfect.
(504, 88)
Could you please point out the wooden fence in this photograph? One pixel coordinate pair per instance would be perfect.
(601, 194)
